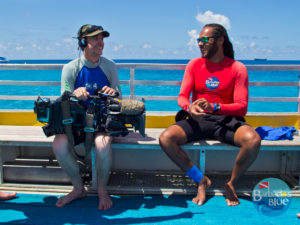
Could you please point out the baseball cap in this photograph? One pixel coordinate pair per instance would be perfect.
(89, 30)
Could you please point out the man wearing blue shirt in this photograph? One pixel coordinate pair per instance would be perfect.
(81, 77)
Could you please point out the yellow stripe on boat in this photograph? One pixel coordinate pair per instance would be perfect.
(19, 118)
(158, 119)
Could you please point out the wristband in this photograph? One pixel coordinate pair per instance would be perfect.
(216, 108)
(213, 107)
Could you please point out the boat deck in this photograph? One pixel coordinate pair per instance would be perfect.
(139, 209)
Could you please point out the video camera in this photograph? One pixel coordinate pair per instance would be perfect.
(111, 115)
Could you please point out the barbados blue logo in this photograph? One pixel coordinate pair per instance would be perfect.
(271, 197)
(212, 83)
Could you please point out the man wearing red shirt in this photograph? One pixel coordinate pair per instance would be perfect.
(219, 87)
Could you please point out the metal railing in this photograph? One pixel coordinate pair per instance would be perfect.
(147, 66)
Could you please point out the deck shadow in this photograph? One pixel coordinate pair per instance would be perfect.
(84, 211)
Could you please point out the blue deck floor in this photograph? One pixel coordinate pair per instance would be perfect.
(41, 209)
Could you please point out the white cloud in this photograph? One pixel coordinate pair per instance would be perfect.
(2, 47)
(35, 46)
(193, 36)
(118, 47)
(19, 48)
(269, 50)
(147, 46)
(68, 40)
(210, 17)
(252, 44)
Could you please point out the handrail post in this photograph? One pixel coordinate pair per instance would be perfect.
(298, 103)
(298, 93)
(131, 83)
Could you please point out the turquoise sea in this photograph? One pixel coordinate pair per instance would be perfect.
(170, 75)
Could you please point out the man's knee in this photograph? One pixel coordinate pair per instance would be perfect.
(252, 141)
(103, 145)
(248, 138)
(60, 144)
(165, 138)
(172, 136)
(250, 147)
(102, 140)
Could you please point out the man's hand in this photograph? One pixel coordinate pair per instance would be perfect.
(81, 93)
(199, 108)
(108, 90)
(196, 112)
(204, 104)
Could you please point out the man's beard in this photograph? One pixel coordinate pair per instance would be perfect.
(209, 51)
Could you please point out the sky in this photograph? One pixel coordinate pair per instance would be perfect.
(149, 29)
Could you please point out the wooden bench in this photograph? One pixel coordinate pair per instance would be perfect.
(33, 136)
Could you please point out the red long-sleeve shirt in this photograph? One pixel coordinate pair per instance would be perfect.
(225, 83)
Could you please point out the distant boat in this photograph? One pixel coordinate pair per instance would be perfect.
(260, 59)
(3, 60)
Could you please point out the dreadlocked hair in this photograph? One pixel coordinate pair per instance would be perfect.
(220, 31)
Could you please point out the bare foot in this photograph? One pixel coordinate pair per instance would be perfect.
(231, 197)
(201, 195)
(73, 195)
(7, 196)
(105, 202)
(298, 215)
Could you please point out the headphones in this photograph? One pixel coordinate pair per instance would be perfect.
(82, 43)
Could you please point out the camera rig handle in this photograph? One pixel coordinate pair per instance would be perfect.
(98, 94)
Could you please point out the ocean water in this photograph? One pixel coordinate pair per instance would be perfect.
(151, 90)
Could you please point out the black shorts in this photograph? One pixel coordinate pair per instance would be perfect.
(217, 127)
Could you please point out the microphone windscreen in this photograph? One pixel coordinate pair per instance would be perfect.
(132, 107)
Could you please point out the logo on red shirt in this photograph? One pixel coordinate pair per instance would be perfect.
(212, 83)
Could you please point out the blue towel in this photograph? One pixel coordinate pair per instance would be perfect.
(274, 134)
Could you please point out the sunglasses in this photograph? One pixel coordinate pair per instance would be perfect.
(204, 39)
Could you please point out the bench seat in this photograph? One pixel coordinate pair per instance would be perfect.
(33, 136)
